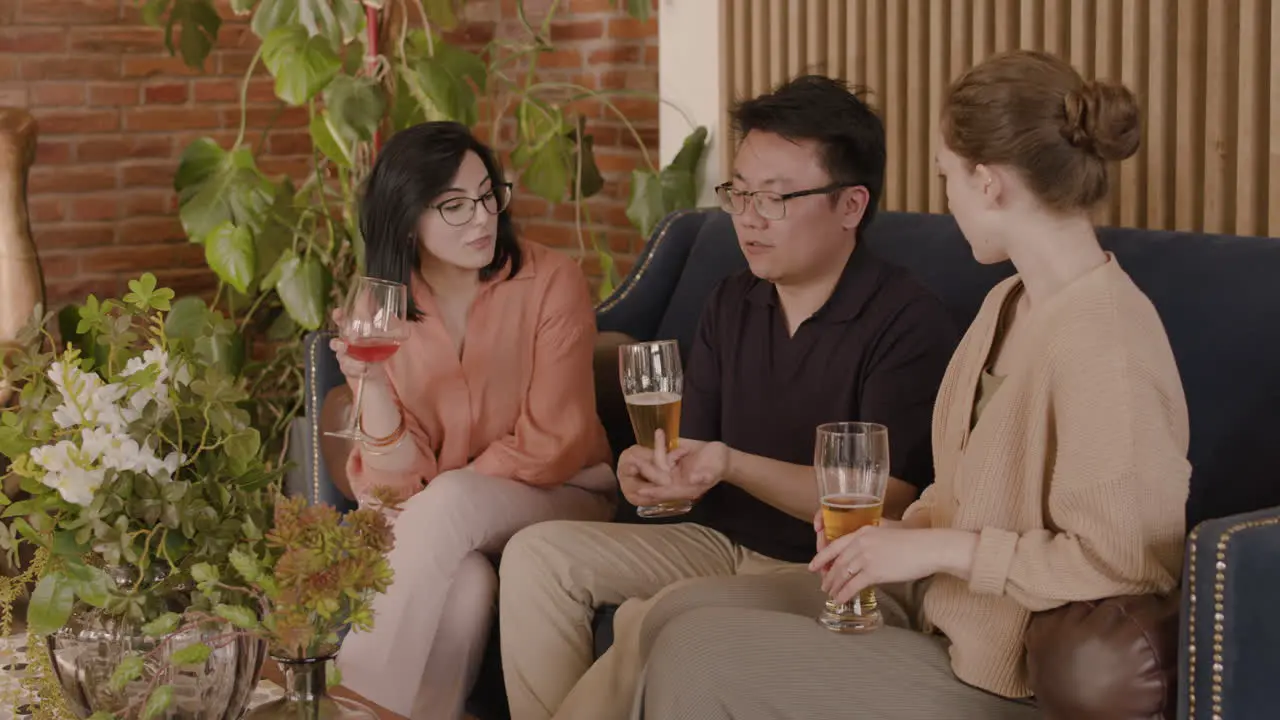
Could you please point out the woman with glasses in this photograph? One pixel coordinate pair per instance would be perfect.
(483, 422)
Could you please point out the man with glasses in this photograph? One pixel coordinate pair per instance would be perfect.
(818, 330)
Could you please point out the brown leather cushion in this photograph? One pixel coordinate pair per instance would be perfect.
(1113, 659)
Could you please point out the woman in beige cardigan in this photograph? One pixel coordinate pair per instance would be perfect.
(1060, 436)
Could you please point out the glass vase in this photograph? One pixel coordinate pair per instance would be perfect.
(306, 695)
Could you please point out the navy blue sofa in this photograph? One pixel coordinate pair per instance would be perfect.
(1219, 298)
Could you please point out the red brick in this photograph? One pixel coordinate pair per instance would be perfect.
(116, 40)
(234, 36)
(45, 209)
(144, 66)
(76, 178)
(471, 34)
(228, 90)
(636, 109)
(587, 6)
(116, 149)
(148, 202)
(651, 55)
(95, 207)
(279, 117)
(648, 135)
(67, 235)
(293, 167)
(60, 12)
(9, 68)
(148, 173)
(14, 95)
(138, 258)
(233, 62)
(187, 282)
(560, 58)
(289, 143)
(80, 68)
(609, 160)
(114, 94)
(555, 235)
(51, 152)
(164, 118)
(57, 122)
(59, 265)
(577, 30)
(169, 93)
(75, 291)
(32, 40)
(628, 28)
(616, 55)
(147, 231)
(524, 207)
(57, 93)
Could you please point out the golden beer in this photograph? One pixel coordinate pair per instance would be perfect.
(846, 513)
(653, 411)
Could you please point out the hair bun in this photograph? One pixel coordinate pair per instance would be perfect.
(1102, 118)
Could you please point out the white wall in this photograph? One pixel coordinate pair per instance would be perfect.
(689, 78)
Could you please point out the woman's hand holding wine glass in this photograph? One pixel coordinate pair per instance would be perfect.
(371, 326)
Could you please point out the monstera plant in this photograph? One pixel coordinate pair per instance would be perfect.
(364, 68)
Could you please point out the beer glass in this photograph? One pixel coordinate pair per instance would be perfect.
(851, 462)
(652, 381)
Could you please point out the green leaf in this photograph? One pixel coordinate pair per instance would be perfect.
(193, 654)
(282, 328)
(157, 702)
(231, 254)
(339, 21)
(153, 10)
(64, 541)
(645, 208)
(200, 24)
(437, 76)
(162, 625)
(638, 9)
(187, 319)
(546, 167)
(287, 259)
(215, 186)
(301, 65)
(245, 564)
(326, 137)
(144, 295)
(242, 448)
(355, 106)
(441, 14)
(592, 181)
(243, 7)
(50, 604)
(90, 584)
(303, 287)
(129, 669)
(241, 617)
(204, 572)
(690, 151)
(102, 715)
(332, 675)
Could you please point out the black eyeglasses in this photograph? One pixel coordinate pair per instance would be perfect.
(770, 205)
(461, 210)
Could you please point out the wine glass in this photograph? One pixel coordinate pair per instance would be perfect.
(851, 462)
(372, 325)
(652, 382)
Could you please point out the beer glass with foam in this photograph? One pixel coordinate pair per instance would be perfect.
(652, 381)
(851, 462)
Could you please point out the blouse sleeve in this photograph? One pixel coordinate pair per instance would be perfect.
(554, 434)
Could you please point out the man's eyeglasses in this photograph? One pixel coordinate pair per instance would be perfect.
(770, 205)
(461, 210)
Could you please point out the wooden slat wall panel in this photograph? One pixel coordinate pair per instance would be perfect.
(1208, 83)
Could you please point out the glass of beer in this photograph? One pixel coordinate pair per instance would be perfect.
(652, 381)
(851, 461)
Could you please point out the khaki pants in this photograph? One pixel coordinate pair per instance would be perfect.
(554, 576)
(430, 628)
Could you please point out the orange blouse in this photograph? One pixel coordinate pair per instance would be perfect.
(520, 401)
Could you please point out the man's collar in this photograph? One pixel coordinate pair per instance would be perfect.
(855, 287)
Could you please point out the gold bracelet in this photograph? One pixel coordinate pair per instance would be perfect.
(387, 441)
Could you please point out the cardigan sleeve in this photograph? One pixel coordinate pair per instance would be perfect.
(558, 430)
(1118, 483)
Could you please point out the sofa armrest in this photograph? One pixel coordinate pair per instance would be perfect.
(1230, 644)
(320, 375)
(1112, 659)
(637, 305)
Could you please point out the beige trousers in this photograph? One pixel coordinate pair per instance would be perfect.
(554, 576)
(430, 628)
(750, 649)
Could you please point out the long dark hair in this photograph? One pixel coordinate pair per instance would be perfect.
(415, 167)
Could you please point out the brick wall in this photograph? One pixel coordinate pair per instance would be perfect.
(115, 112)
